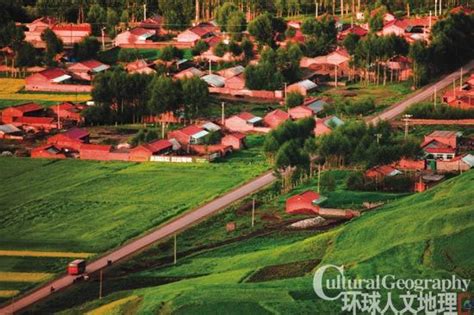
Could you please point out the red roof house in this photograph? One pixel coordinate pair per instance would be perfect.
(189, 135)
(85, 70)
(380, 172)
(13, 113)
(139, 66)
(303, 203)
(410, 165)
(440, 144)
(72, 33)
(48, 151)
(236, 140)
(300, 112)
(143, 153)
(72, 139)
(326, 125)
(356, 29)
(68, 111)
(275, 118)
(236, 82)
(135, 36)
(196, 33)
(96, 152)
(243, 122)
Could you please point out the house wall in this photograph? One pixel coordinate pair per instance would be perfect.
(51, 87)
(234, 142)
(97, 155)
(139, 155)
(235, 83)
(269, 95)
(451, 166)
(187, 36)
(299, 112)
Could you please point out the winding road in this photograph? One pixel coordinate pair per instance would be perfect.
(136, 245)
(424, 93)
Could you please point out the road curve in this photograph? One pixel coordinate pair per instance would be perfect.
(398, 108)
(134, 246)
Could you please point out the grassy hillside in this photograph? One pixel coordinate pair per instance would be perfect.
(423, 235)
(54, 211)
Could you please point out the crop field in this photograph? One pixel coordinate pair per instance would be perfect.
(55, 211)
(11, 94)
(425, 235)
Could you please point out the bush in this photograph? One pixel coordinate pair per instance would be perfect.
(294, 99)
(328, 182)
(429, 111)
(355, 181)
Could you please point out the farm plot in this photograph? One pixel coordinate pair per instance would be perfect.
(55, 211)
(11, 94)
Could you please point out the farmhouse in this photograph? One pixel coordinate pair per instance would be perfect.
(193, 34)
(70, 140)
(213, 151)
(152, 23)
(316, 105)
(214, 80)
(52, 80)
(231, 72)
(326, 125)
(68, 33)
(440, 144)
(135, 36)
(9, 131)
(334, 63)
(210, 126)
(95, 152)
(305, 203)
(410, 165)
(143, 152)
(189, 135)
(235, 139)
(85, 70)
(300, 112)
(139, 66)
(48, 151)
(456, 164)
(189, 73)
(377, 173)
(302, 87)
(236, 82)
(356, 29)
(15, 113)
(400, 67)
(68, 111)
(275, 118)
(243, 122)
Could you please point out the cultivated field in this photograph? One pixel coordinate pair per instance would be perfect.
(426, 235)
(11, 94)
(55, 211)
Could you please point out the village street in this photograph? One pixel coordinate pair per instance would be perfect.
(424, 93)
(134, 246)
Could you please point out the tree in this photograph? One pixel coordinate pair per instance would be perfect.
(261, 28)
(97, 17)
(291, 154)
(165, 95)
(294, 99)
(25, 56)
(328, 182)
(86, 48)
(195, 96)
(236, 24)
(235, 49)
(350, 42)
(54, 46)
(376, 22)
(224, 13)
(220, 49)
(200, 47)
(177, 14)
(112, 22)
(419, 54)
(264, 76)
(127, 55)
(247, 47)
(322, 35)
(169, 53)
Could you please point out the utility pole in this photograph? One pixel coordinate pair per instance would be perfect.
(335, 76)
(460, 81)
(319, 177)
(378, 135)
(223, 113)
(144, 12)
(253, 212)
(103, 37)
(100, 284)
(436, 8)
(174, 250)
(210, 67)
(317, 8)
(406, 118)
(162, 130)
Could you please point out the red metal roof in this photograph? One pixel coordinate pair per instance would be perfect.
(158, 145)
(76, 133)
(200, 30)
(237, 135)
(246, 115)
(36, 120)
(52, 73)
(191, 130)
(28, 107)
(140, 31)
(91, 64)
(85, 27)
(303, 203)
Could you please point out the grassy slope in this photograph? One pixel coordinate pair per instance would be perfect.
(424, 235)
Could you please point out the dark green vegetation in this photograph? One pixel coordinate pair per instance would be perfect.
(420, 236)
(440, 111)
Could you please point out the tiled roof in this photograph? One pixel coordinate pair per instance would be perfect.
(28, 107)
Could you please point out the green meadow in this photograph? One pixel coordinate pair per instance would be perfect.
(426, 235)
(78, 206)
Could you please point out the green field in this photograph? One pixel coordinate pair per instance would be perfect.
(426, 235)
(78, 206)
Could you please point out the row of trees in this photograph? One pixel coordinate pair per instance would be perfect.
(440, 111)
(123, 97)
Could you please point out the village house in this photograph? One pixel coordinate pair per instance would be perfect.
(68, 33)
(193, 34)
(334, 64)
(214, 80)
(400, 68)
(326, 125)
(68, 112)
(457, 164)
(235, 139)
(243, 122)
(53, 80)
(154, 23)
(86, 70)
(47, 151)
(300, 112)
(139, 66)
(189, 73)
(315, 104)
(462, 98)
(71, 140)
(135, 36)
(188, 135)
(308, 203)
(96, 152)
(410, 165)
(412, 29)
(302, 87)
(275, 118)
(9, 131)
(144, 152)
(440, 144)
(210, 126)
(15, 113)
(378, 173)
(356, 29)
(387, 16)
(212, 151)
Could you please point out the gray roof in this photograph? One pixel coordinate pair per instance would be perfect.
(469, 160)
(214, 80)
(317, 106)
(307, 84)
(210, 126)
(9, 129)
(334, 121)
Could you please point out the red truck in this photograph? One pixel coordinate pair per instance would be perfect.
(76, 267)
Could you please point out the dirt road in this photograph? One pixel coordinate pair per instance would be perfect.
(134, 246)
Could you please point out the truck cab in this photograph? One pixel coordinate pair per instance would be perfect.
(76, 267)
